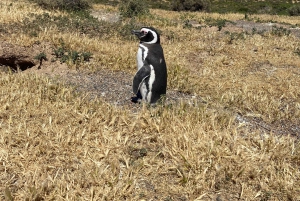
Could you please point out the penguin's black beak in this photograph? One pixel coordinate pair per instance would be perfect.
(136, 32)
(140, 34)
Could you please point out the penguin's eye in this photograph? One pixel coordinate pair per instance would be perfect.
(144, 32)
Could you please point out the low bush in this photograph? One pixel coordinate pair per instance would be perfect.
(220, 23)
(294, 10)
(41, 56)
(280, 31)
(66, 55)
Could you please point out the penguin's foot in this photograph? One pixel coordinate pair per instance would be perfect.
(135, 99)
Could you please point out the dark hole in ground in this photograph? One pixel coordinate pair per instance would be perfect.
(16, 64)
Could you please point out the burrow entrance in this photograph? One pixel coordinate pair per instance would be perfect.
(17, 58)
(16, 64)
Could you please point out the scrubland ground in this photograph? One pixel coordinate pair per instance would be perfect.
(236, 136)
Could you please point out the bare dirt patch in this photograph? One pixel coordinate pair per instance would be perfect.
(106, 16)
(250, 27)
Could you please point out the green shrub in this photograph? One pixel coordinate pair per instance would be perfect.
(69, 5)
(280, 31)
(71, 56)
(86, 56)
(41, 56)
(220, 23)
(191, 5)
(294, 10)
(132, 8)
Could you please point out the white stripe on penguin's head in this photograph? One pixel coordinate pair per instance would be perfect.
(154, 34)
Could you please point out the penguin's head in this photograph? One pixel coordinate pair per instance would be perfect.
(147, 35)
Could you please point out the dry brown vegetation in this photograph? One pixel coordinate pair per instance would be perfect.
(239, 143)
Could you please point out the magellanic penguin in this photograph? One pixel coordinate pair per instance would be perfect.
(150, 81)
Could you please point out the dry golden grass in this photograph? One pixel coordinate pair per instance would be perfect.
(56, 144)
(16, 11)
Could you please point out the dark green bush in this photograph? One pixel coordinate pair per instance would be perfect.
(191, 5)
(294, 10)
(65, 54)
(220, 23)
(132, 8)
(280, 31)
(86, 56)
(41, 56)
(69, 5)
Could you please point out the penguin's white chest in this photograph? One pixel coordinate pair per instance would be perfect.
(139, 58)
(141, 55)
(146, 92)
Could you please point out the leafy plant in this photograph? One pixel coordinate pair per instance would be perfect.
(220, 23)
(59, 52)
(41, 56)
(86, 56)
(280, 31)
(72, 56)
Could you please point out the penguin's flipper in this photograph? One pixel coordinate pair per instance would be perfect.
(139, 77)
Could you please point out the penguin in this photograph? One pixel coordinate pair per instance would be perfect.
(150, 80)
